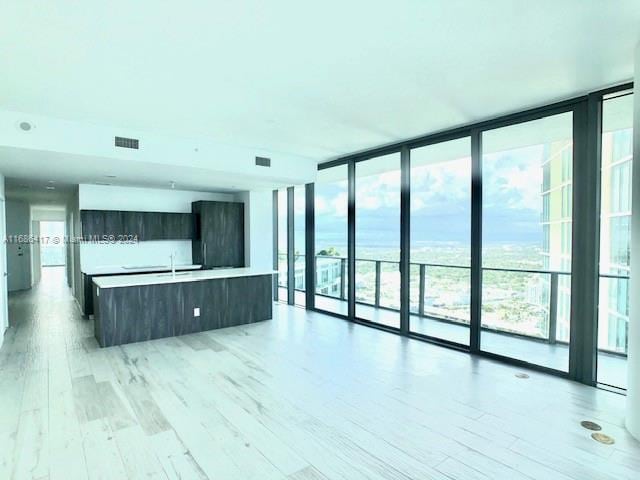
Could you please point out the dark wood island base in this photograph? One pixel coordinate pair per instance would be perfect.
(134, 313)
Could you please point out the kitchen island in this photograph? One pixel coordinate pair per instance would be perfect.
(134, 308)
(89, 274)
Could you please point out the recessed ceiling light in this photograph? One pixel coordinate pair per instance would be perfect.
(50, 187)
(101, 183)
(109, 176)
(51, 181)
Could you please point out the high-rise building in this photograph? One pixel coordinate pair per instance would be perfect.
(556, 227)
(615, 225)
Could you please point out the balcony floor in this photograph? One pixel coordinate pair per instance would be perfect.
(612, 369)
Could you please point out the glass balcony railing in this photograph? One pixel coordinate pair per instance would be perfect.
(282, 269)
(532, 304)
(528, 303)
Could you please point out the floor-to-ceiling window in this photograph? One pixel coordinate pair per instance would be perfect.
(615, 236)
(526, 242)
(282, 245)
(331, 203)
(440, 253)
(490, 246)
(299, 226)
(377, 261)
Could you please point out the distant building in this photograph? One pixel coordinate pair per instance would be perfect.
(615, 233)
(615, 227)
(329, 272)
(556, 225)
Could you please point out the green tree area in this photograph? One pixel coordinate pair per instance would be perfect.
(329, 252)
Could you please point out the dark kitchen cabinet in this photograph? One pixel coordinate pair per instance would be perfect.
(179, 226)
(113, 223)
(93, 226)
(143, 225)
(145, 312)
(153, 226)
(219, 234)
(133, 224)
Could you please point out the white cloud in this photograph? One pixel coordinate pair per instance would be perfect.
(339, 204)
(321, 205)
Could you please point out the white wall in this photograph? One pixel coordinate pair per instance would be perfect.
(4, 312)
(633, 389)
(36, 262)
(18, 254)
(68, 231)
(39, 214)
(100, 197)
(258, 225)
(73, 232)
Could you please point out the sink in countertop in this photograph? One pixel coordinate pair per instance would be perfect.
(177, 274)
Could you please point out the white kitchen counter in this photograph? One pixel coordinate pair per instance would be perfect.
(160, 278)
(116, 269)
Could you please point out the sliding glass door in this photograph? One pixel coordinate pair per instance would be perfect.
(331, 204)
(282, 246)
(526, 241)
(615, 239)
(299, 227)
(490, 247)
(377, 245)
(440, 253)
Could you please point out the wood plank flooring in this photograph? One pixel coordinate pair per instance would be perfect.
(302, 397)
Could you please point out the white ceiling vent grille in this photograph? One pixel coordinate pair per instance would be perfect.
(124, 142)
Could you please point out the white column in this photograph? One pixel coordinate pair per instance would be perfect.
(633, 392)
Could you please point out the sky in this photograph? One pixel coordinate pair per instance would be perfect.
(440, 203)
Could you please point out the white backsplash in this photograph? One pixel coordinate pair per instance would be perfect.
(150, 253)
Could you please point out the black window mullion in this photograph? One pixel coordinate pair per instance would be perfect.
(405, 236)
(351, 241)
(476, 240)
(585, 254)
(291, 259)
(310, 254)
(276, 255)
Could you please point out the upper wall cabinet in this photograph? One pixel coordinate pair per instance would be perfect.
(219, 234)
(92, 223)
(143, 225)
(180, 225)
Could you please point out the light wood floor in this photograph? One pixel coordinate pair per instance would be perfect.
(304, 396)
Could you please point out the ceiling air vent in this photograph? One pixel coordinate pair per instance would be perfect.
(263, 161)
(127, 142)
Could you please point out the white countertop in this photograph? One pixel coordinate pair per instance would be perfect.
(160, 278)
(115, 269)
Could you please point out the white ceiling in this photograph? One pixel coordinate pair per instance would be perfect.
(42, 194)
(316, 79)
(30, 172)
